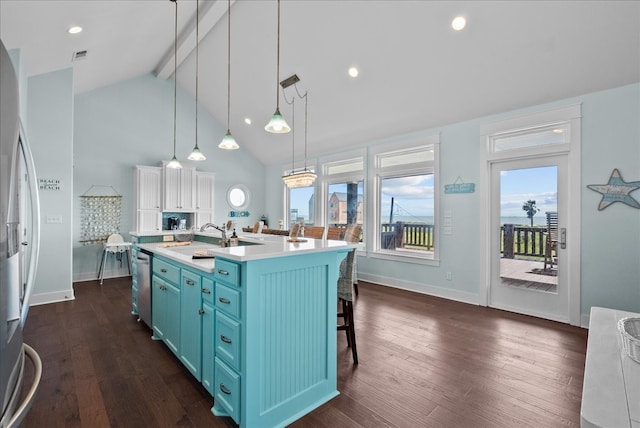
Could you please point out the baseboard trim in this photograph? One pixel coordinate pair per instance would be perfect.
(456, 295)
(91, 276)
(46, 298)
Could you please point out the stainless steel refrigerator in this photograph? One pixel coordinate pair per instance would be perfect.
(19, 242)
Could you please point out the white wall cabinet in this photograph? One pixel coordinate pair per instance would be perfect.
(179, 189)
(147, 197)
(204, 197)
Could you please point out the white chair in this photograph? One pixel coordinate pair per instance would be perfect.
(115, 246)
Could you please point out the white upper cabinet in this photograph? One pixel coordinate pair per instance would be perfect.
(179, 189)
(204, 190)
(147, 194)
(148, 187)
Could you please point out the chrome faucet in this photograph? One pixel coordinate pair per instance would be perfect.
(224, 242)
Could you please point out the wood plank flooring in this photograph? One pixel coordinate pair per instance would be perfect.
(424, 362)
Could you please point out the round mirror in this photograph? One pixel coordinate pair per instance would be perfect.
(238, 197)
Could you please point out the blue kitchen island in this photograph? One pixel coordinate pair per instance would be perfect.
(256, 324)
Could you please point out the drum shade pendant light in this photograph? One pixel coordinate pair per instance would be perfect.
(306, 177)
(228, 142)
(174, 161)
(277, 124)
(196, 154)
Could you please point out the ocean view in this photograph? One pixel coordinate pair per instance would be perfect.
(538, 220)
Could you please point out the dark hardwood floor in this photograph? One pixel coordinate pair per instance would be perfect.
(424, 362)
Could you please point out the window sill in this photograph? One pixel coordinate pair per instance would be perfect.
(405, 257)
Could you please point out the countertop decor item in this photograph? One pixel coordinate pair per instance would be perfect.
(629, 329)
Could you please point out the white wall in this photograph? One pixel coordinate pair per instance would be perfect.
(131, 123)
(610, 259)
(50, 133)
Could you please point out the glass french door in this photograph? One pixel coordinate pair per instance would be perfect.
(528, 229)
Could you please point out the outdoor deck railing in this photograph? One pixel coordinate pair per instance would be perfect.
(516, 240)
(407, 235)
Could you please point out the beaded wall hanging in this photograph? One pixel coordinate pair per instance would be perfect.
(100, 214)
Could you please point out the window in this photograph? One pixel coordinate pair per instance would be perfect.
(301, 206)
(405, 177)
(344, 186)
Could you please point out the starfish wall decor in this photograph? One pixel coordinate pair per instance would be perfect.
(616, 190)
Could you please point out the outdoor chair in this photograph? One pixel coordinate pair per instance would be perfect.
(551, 240)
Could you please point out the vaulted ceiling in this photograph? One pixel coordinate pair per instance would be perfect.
(415, 71)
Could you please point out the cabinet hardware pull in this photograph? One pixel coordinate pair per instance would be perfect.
(224, 389)
(200, 311)
(190, 282)
(163, 270)
(223, 272)
(223, 300)
(206, 291)
(225, 339)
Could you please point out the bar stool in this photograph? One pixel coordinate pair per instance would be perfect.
(115, 246)
(345, 297)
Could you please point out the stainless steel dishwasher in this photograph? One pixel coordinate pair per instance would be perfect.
(143, 277)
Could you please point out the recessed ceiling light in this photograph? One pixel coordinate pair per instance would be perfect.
(353, 72)
(458, 23)
(247, 120)
(74, 30)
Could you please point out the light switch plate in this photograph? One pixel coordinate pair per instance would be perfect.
(54, 219)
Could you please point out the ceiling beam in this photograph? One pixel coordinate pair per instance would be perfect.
(210, 13)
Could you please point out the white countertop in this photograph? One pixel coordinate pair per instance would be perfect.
(611, 389)
(265, 247)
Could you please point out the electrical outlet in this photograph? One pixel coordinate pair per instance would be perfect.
(447, 222)
(167, 238)
(447, 230)
(448, 276)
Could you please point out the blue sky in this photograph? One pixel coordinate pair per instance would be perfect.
(520, 185)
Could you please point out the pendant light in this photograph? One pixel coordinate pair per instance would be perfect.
(196, 154)
(306, 177)
(228, 142)
(174, 161)
(277, 124)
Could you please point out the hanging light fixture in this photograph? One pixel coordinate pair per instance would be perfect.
(228, 142)
(174, 161)
(305, 177)
(196, 154)
(277, 124)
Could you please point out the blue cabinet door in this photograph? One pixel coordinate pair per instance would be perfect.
(172, 310)
(158, 308)
(208, 332)
(191, 322)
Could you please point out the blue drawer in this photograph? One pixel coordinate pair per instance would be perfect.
(228, 272)
(228, 300)
(190, 279)
(207, 290)
(227, 389)
(166, 270)
(228, 340)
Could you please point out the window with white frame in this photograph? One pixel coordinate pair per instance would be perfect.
(301, 206)
(344, 181)
(405, 177)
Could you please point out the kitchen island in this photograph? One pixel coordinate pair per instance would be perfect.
(256, 324)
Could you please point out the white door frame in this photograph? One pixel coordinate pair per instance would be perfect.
(570, 115)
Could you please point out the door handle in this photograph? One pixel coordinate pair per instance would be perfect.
(563, 238)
